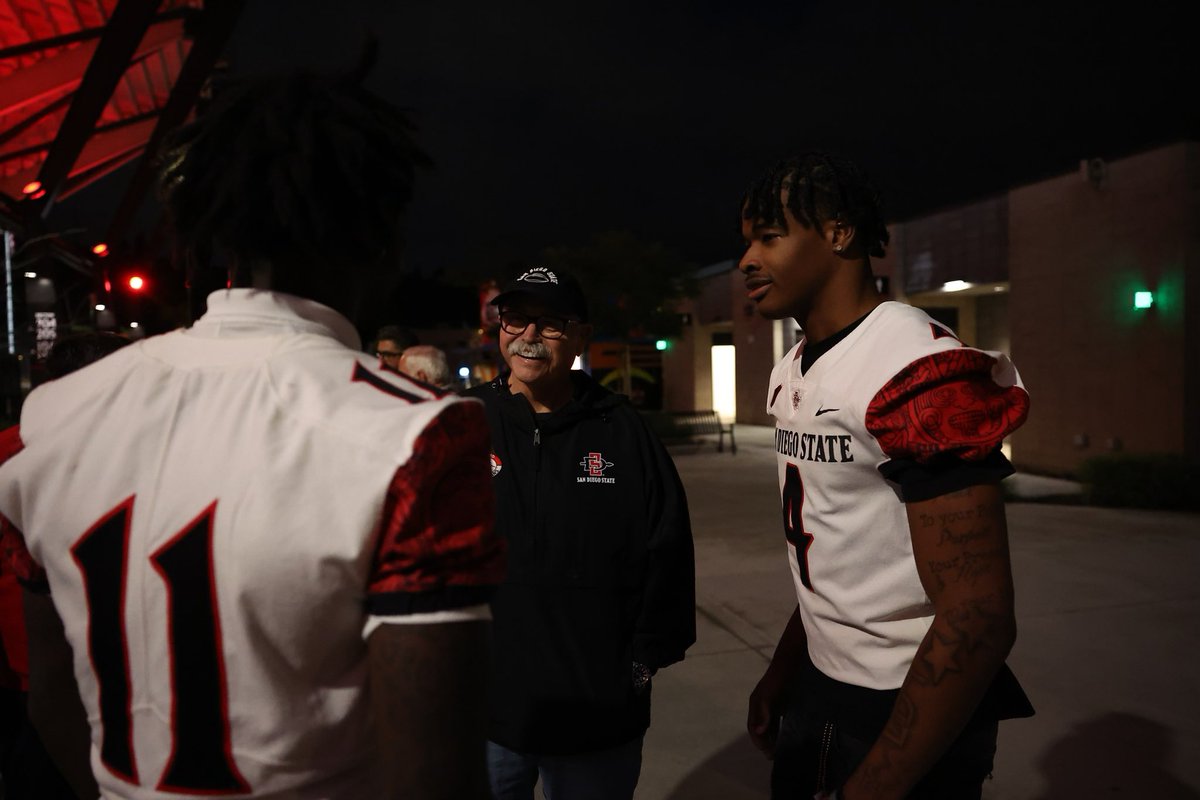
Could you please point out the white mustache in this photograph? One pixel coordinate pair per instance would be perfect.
(528, 349)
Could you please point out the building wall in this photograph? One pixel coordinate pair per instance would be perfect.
(967, 244)
(679, 376)
(687, 366)
(1102, 376)
(991, 323)
(1191, 271)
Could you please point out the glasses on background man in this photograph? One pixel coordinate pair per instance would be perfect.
(389, 356)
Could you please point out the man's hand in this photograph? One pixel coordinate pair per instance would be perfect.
(767, 702)
(770, 696)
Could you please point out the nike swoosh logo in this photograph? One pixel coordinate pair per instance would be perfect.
(821, 411)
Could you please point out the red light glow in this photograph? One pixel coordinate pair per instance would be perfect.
(136, 282)
(100, 249)
(32, 187)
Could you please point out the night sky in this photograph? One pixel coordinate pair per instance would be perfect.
(550, 122)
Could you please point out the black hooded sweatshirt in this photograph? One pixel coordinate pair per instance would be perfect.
(601, 572)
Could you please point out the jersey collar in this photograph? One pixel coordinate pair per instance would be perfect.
(232, 309)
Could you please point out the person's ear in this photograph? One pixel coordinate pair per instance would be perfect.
(841, 236)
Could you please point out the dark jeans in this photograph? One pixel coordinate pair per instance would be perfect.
(601, 775)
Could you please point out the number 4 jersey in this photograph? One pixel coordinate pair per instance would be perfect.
(222, 515)
(895, 409)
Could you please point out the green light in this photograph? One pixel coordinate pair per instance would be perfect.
(1143, 299)
(661, 344)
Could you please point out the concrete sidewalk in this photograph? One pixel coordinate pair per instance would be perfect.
(1108, 609)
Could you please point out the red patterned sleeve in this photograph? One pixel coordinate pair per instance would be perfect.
(949, 403)
(437, 548)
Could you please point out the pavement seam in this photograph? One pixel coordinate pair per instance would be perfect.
(715, 620)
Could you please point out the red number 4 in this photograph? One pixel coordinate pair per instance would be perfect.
(201, 758)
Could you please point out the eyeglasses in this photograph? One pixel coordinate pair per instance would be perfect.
(388, 354)
(515, 323)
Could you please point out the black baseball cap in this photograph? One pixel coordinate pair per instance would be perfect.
(558, 291)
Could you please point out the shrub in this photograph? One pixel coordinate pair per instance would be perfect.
(1128, 480)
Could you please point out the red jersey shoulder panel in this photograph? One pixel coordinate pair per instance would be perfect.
(946, 402)
(437, 548)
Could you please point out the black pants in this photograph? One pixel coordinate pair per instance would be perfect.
(818, 755)
(831, 725)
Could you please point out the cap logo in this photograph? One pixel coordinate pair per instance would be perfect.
(538, 275)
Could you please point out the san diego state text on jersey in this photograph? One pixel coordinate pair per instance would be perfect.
(813, 446)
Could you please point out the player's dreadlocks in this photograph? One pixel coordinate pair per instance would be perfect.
(300, 172)
(820, 188)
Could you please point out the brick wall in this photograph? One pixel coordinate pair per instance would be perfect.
(1101, 375)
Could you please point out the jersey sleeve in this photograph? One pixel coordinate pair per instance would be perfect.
(940, 421)
(14, 556)
(437, 549)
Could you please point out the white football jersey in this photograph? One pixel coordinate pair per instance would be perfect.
(221, 512)
(899, 386)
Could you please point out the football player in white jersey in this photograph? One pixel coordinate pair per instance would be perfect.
(268, 558)
(889, 679)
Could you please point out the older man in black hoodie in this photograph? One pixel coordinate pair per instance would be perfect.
(601, 577)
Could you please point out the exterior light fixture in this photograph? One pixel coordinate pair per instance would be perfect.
(100, 306)
(30, 274)
(661, 344)
(1143, 300)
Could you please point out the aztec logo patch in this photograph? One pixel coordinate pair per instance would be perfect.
(496, 465)
(594, 466)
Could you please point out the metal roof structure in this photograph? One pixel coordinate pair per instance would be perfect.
(88, 86)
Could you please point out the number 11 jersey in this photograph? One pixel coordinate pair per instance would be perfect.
(222, 515)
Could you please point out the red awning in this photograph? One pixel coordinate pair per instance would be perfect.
(47, 49)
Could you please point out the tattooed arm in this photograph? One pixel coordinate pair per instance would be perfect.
(960, 542)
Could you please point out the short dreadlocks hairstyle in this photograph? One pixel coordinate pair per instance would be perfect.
(301, 172)
(820, 188)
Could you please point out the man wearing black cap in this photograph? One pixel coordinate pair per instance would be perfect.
(601, 581)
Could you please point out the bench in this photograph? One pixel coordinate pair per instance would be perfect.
(685, 426)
